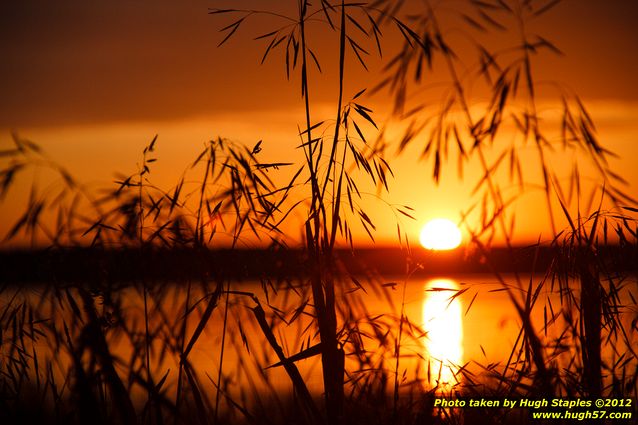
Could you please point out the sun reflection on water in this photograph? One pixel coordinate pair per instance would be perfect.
(442, 321)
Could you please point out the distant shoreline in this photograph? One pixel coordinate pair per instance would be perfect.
(77, 264)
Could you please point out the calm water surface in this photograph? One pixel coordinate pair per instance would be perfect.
(447, 322)
(464, 320)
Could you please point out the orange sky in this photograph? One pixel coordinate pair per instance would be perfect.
(92, 83)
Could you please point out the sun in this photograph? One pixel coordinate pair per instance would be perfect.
(440, 234)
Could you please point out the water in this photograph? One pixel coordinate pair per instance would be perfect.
(440, 323)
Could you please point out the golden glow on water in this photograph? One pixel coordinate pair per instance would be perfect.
(442, 321)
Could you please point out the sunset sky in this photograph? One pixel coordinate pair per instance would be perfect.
(93, 82)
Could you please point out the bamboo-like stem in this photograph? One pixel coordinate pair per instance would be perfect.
(180, 373)
(221, 353)
(288, 365)
(319, 246)
(591, 315)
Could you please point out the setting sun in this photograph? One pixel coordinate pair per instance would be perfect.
(440, 234)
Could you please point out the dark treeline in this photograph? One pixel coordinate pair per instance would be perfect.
(121, 265)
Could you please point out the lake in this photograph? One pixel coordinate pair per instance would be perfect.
(442, 323)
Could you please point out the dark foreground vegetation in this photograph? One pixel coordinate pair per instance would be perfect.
(105, 339)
